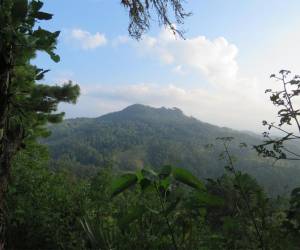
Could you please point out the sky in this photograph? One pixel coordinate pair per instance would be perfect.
(217, 74)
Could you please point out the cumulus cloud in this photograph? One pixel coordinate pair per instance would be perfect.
(86, 40)
(215, 59)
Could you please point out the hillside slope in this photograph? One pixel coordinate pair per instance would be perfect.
(140, 136)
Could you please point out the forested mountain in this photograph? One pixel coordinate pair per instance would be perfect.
(142, 136)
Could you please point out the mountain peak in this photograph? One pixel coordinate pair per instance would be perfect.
(136, 107)
(144, 112)
(140, 108)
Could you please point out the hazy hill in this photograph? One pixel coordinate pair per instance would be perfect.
(141, 136)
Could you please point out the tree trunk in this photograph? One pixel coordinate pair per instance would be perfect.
(6, 151)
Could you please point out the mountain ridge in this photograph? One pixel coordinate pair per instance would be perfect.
(143, 136)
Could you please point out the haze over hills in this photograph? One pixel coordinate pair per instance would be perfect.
(142, 136)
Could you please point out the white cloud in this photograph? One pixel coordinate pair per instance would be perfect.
(86, 40)
(215, 59)
(120, 40)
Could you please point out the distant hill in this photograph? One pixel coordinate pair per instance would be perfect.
(140, 136)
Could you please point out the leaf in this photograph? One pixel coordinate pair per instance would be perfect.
(165, 183)
(54, 57)
(36, 6)
(122, 183)
(43, 15)
(210, 200)
(187, 178)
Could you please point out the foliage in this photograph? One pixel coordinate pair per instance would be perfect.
(140, 12)
(25, 105)
(145, 209)
(284, 99)
(43, 206)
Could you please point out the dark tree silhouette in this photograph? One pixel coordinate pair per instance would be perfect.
(25, 105)
(141, 11)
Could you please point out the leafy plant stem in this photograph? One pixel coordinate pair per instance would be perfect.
(166, 218)
(290, 103)
(242, 191)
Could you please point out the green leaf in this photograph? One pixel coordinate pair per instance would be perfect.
(36, 6)
(122, 183)
(187, 178)
(43, 15)
(209, 199)
(165, 183)
(54, 57)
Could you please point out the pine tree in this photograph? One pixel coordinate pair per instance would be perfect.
(25, 105)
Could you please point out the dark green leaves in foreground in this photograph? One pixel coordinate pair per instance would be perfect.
(122, 183)
(185, 177)
(146, 178)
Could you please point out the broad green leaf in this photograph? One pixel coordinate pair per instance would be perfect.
(187, 178)
(209, 199)
(165, 183)
(122, 183)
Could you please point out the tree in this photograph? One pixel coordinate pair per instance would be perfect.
(25, 105)
(281, 147)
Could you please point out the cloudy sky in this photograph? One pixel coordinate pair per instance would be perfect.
(218, 74)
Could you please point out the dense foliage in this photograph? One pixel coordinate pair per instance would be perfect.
(145, 209)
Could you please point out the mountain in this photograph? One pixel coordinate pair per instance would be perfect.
(141, 136)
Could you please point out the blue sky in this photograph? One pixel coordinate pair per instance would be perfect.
(217, 74)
